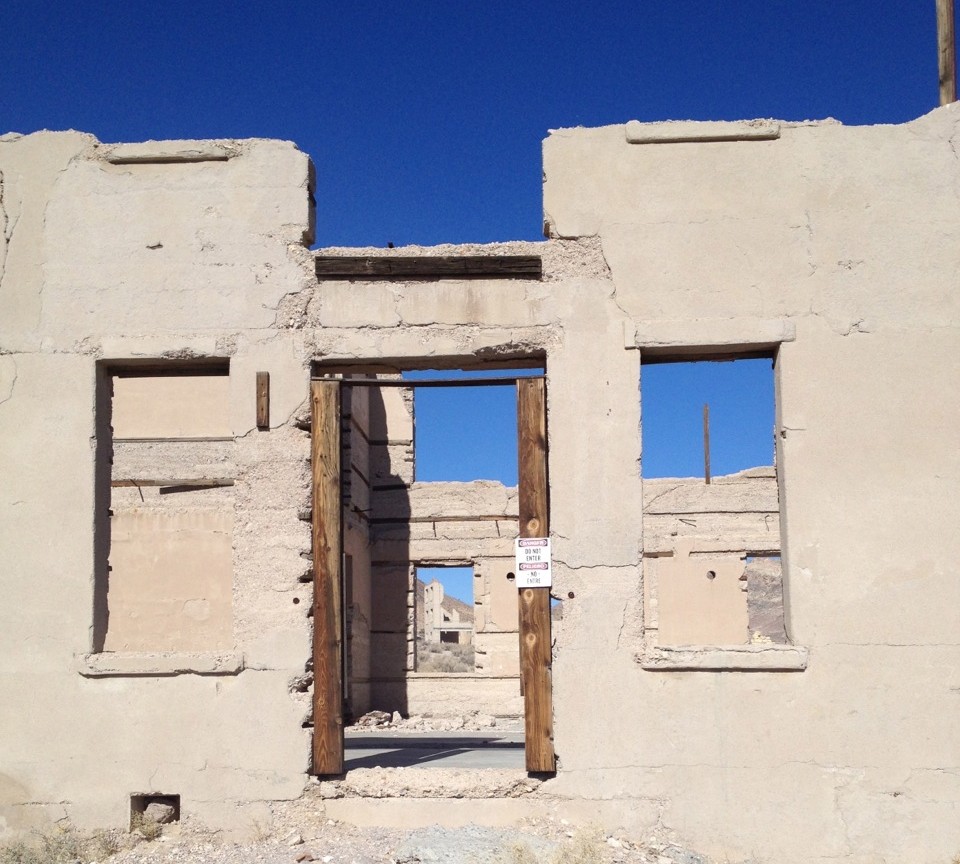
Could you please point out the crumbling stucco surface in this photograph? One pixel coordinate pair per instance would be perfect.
(834, 248)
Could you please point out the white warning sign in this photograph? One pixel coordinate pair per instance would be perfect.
(533, 562)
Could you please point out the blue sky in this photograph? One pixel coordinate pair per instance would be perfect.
(466, 433)
(741, 399)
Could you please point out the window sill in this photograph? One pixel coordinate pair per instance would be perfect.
(731, 658)
(154, 664)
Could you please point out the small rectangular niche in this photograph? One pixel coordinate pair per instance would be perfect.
(161, 809)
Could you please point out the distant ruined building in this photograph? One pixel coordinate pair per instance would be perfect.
(444, 618)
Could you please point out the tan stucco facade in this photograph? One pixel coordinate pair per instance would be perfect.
(833, 250)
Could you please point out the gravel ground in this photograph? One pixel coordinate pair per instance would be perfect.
(538, 842)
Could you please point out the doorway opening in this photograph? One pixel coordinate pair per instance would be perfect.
(430, 625)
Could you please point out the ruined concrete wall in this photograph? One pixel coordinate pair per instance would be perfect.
(833, 248)
(115, 256)
(837, 247)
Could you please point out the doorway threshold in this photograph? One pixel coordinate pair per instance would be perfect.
(459, 749)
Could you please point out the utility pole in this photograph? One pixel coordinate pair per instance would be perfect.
(947, 52)
(706, 443)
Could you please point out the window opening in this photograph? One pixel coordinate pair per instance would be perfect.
(444, 619)
(711, 524)
(431, 616)
(165, 509)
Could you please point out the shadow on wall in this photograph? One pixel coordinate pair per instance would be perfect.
(377, 456)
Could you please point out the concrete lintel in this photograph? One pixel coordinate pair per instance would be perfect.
(167, 152)
(688, 131)
(713, 335)
(422, 501)
(112, 664)
(134, 350)
(733, 658)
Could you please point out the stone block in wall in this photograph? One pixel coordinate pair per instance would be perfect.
(391, 464)
(487, 302)
(497, 653)
(355, 476)
(751, 491)
(456, 529)
(433, 695)
(713, 532)
(355, 539)
(356, 546)
(430, 550)
(171, 406)
(392, 540)
(389, 695)
(498, 595)
(356, 487)
(447, 499)
(355, 407)
(391, 415)
(359, 653)
(360, 698)
(171, 580)
(352, 305)
(172, 462)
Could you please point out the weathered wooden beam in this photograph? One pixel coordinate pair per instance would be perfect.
(327, 612)
(263, 400)
(194, 483)
(947, 52)
(535, 643)
(429, 267)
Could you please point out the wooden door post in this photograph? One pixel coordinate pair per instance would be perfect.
(535, 642)
(327, 608)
